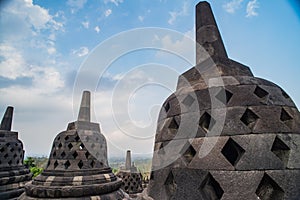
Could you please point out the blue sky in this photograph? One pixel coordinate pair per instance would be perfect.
(44, 43)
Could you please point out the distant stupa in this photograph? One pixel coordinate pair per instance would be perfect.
(13, 174)
(77, 167)
(225, 134)
(131, 177)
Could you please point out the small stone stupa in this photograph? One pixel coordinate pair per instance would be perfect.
(13, 174)
(131, 178)
(225, 134)
(78, 166)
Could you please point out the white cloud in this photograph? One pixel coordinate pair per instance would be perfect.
(82, 51)
(175, 14)
(141, 18)
(76, 4)
(85, 24)
(232, 6)
(184, 46)
(108, 12)
(116, 2)
(251, 8)
(52, 37)
(97, 29)
(12, 63)
(51, 50)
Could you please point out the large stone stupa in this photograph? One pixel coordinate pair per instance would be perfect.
(225, 134)
(78, 166)
(13, 174)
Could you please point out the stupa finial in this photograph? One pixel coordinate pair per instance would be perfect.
(207, 34)
(7, 119)
(85, 107)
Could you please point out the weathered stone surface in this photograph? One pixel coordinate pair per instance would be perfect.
(131, 178)
(13, 174)
(77, 166)
(225, 134)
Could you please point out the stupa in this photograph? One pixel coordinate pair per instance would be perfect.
(13, 174)
(78, 166)
(225, 134)
(131, 177)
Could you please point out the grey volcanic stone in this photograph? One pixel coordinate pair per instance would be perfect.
(225, 134)
(77, 166)
(131, 178)
(13, 174)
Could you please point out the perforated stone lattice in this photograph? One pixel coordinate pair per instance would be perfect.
(11, 154)
(247, 130)
(131, 182)
(13, 174)
(77, 167)
(69, 152)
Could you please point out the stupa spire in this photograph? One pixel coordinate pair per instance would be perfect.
(207, 34)
(85, 107)
(7, 119)
(128, 160)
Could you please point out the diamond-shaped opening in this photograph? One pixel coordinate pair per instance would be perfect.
(54, 154)
(206, 122)
(81, 146)
(70, 146)
(211, 188)
(281, 150)
(167, 107)
(249, 118)
(188, 100)
(2, 150)
(75, 154)
(67, 137)
(285, 94)
(189, 152)
(284, 116)
(232, 151)
(55, 164)
(60, 145)
(63, 154)
(173, 124)
(58, 138)
(15, 155)
(268, 189)
(87, 154)
(161, 150)
(67, 164)
(170, 184)
(7, 144)
(6, 155)
(92, 163)
(80, 164)
(12, 149)
(261, 93)
(224, 96)
(10, 162)
(77, 138)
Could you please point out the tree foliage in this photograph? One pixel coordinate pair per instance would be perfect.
(29, 162)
